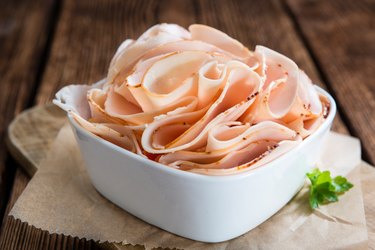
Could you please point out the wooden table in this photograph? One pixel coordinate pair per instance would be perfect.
(45, 44)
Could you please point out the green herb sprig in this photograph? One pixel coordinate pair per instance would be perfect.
(325, 189)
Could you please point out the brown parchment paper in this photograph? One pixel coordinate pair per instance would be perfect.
(61, 199)
(368, 189)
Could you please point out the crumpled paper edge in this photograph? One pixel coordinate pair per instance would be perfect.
(111, 244)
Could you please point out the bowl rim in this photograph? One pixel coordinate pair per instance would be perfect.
(213, 178)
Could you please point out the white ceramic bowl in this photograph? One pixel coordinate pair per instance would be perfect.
(198, 207)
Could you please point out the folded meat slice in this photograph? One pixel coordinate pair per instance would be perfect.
(219, 39)
(118, 107)
(110, 107)
(73, 100)
(263, 152)
(126, 139)
(134, 79)
(169, 79)
(184, 45)
(230, 160)
(170, 64)
(137, 74)
(212, 76)
(281, 76)
(288, 94)
(96, 99)
(130, 52)
(124, 46)
(230, 137)
(238, 94)
(307, 124)
(132, 132)
(225, 138)
(308, 95)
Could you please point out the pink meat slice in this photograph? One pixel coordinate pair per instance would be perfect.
(305, 125)
(130, 52)
(233, 159)
(219, 39)
(288, 95)
(212, 76)
(111, 107)
(185, 45)
(230, 137)
(271, 151)
(280, 88)
(169, 79)
(308, 95)
(238, 94)
(73, 100)
(135, 79)
(124, 140)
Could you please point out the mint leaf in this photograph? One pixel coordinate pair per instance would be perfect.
(341, 184)
(324, 177)
(314, 203)
(313, 176)
(324, 189)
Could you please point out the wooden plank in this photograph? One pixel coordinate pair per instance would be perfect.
(89, 32)
(24, 29)
(341, 36)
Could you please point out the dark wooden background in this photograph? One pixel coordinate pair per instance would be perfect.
(45, 44)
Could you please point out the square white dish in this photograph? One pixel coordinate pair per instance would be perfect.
(198, 207)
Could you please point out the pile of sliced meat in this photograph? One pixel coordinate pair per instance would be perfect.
(199, 101)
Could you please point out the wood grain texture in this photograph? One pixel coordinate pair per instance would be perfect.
(31, 134)
(88, 33)
(341, 36)
(23, 37)
(87, 36)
